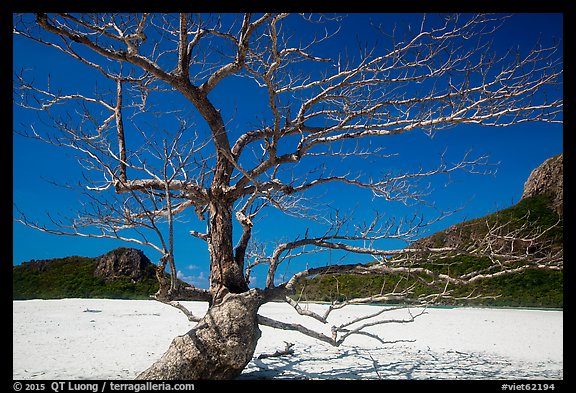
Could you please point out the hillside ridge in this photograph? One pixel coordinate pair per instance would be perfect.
(123, 273)
(540, 208)
(541, 202)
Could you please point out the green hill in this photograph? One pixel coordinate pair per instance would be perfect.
(79, 277)
(529, 288)
(128, 274)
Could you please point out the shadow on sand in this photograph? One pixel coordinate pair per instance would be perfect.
(395, 363)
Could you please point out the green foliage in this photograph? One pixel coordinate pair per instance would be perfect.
(74, 277)
(529, 288)
(541, 215)
(533, 212)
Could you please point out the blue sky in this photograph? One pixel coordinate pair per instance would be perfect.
(517, 149)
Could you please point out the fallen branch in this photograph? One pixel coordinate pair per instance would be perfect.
(286, 351)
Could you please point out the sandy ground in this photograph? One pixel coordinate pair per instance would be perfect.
(116, 339)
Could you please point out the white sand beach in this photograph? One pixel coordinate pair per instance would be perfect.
(116, 339)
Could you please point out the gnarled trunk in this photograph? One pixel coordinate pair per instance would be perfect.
(223, 342)
(225, 270)
(218, 347)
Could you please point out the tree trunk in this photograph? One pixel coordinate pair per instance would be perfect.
(218, 347)
(225, 271)
(223, 342)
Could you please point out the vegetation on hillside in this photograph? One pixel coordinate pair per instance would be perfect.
(73, 277)
(529, 288)
(530, 213)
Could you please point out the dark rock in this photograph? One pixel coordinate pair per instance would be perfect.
(122, 262)
(547, 179)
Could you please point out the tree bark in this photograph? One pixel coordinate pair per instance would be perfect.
(226, 272)
(223, 342)
(218, 347)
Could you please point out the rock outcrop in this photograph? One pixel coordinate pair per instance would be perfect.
(123, 273)
(122, 262)
(547, 179)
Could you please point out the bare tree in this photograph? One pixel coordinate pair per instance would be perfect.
(141, 179)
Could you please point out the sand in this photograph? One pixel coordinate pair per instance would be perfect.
(116, 339)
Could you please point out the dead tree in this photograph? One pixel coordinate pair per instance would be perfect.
(318, 108)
